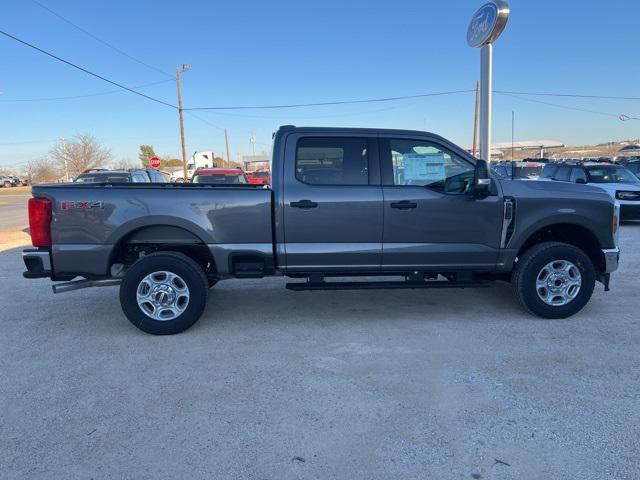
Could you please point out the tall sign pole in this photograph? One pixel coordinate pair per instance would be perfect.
(486, 26)
(475, 121)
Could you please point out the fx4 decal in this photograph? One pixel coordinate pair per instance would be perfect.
(80, 205)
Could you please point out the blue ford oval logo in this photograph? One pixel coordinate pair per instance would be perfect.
(482, 25)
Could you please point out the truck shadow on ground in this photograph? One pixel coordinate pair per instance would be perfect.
(239, 304)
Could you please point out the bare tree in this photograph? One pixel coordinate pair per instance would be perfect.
(41, 171)
(82, 152)
(124, 164)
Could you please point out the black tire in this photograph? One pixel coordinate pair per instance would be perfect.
(531, 264)
(177, 263)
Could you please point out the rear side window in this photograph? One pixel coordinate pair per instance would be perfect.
(548, 171)
(156, 177)
(578, 173)
(140, 178)
(332, 161)
(562, 174)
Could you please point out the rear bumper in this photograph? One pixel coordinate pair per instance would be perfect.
(38, 263)
(611, 259)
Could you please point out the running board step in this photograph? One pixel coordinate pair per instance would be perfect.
(300, 286)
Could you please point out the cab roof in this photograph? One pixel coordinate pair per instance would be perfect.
(218, 171)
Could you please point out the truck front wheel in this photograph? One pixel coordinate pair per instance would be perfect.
(554, 280)
(164, 293)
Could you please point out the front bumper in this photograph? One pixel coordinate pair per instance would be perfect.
(38, 263)
(629, 211)
(611, 259)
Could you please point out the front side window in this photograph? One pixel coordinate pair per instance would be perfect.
(332, 161)
(562, 174)
(548, 171)
(424, 164)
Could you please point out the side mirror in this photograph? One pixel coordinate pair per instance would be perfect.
(581, 180)
(481, 179)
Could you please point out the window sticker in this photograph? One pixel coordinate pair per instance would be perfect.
(424, 167)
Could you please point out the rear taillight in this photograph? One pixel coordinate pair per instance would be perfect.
(40, 222)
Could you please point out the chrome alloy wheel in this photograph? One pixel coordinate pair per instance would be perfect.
(558, 283)
(162, 295)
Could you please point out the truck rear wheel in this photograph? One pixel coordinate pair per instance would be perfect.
(164, 293)
(554, 280)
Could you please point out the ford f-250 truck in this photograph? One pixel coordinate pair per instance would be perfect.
(359, 203)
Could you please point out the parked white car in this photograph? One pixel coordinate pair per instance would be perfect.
(616, 180)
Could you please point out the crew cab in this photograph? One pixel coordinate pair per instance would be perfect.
(347, 208)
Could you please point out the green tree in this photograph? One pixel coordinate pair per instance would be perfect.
(146, 152)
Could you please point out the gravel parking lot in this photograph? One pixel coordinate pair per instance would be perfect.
(272, 384)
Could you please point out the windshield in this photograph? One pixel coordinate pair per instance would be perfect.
(107, 177)
(220, 179)
(610, 174)
(528, 171)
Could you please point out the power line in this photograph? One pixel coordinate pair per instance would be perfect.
(623, 117)
(73, 97)
(322, 104)
(85, 70)
(205, 121)
(570, 95)
(97, 39)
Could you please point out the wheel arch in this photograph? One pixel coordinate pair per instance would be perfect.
(571, 233)
(163, 237)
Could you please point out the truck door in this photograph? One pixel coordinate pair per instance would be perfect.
(430, 218)
(332, 203)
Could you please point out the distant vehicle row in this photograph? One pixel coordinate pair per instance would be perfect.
(216, 175)
(620, 180)
(7, 181)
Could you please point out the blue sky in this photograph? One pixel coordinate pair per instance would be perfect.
(273, 52)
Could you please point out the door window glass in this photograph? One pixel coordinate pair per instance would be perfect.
(332, 161)
(548, 171)
(562, 174)
(139, 178)
(420, 163)
(578, 173)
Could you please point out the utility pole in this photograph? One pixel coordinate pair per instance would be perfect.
(226, 141)
(66, 162)
(513, 119)
(185, 68)
(475, 120)
(253, 144)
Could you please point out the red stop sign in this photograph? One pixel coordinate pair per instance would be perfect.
(154, 162)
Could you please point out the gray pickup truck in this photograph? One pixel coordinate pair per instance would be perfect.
(364, 208)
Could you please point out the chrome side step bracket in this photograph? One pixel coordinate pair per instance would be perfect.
(80, 284)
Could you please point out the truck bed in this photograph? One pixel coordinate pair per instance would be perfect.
(89, 220)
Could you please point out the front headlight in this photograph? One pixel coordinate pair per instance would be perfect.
(622, 195)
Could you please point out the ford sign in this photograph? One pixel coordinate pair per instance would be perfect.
(487, 23)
